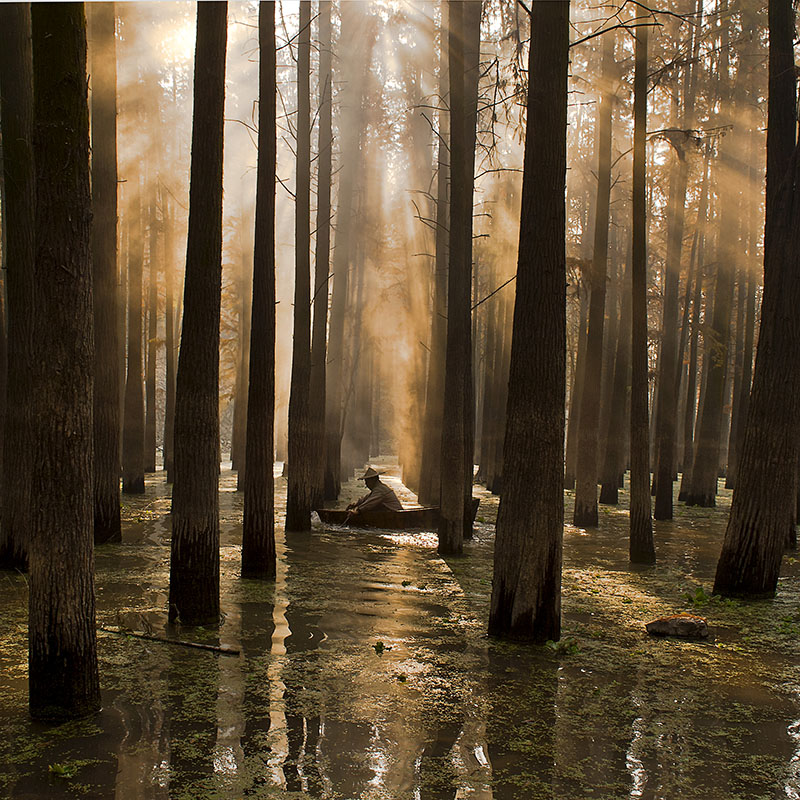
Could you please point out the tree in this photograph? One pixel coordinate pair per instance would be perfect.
(133, 422)
(586, 474)
(642, 550)
(765, 495)
(258, 537)
(63, 676)
(456, 458)
(194, 561)
(526, 591)
(104, 266)
(298, 493)
(16, 115)
(322, 260)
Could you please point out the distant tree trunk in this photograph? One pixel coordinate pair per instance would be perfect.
(763, 504)
(239, 437)
(430, 470)
(16, 115)
(169, 323)
(350, 127)
(585, 514)
(104, 266)
(526, 590)
(615, 439)
(152, 334)
(133, 424)
(194, 563)
(458, 354)
(668, 361)
(258, 537)
(576, 392)
(63, 679)
(301, 457)
(642, 550)
(322, 261)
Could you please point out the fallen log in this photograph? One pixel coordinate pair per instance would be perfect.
(223, 649)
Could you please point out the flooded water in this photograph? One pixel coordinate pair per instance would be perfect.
(364, 671)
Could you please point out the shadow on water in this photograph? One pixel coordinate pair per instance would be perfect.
(365, 672)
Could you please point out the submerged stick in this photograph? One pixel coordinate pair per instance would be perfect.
(224, 649)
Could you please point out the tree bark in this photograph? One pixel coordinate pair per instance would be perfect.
(762, 510)
(63, 679)
(526, 590)
(430, 470)
(322, 260)
(576, 390)
(258, 537)
(152, 349)
(642, 550)
(194, 563)
(301, 457)
(585, 513)
(16, 118)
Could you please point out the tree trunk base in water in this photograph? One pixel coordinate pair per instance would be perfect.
(585, 516)
(107, 529)
(702, 500)
(135, 486)
(609, 494)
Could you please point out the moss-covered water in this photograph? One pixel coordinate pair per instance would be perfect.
(364, 672)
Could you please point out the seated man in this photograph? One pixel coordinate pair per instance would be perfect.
(380, 497)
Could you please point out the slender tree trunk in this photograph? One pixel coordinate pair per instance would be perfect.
(258, 537)
(104, 266)
(301, 457)
(171, 348)
(152, 334)
(586, 473)
(526, 590)
(764, 499)
(458, 370)
(194, 563)
(430, 479)
(668, 361)
(322, 260)
(642, 550)
(16, 118)
(239, 437)
(133, 425)
(350, 126)
(63, 679)
(576, 393)
(615, 449)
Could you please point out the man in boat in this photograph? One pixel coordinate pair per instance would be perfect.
(380, 497)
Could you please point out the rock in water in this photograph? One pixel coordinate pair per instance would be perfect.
(685, 626)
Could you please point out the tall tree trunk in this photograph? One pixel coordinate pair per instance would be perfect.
(458, 354)
(152, 342)
(258, 536)
(194, 562)
(63, 679)
(16, 115)
(765, 493)
(351, 128)
(104, 266)
(576, 391)
(642, 550)
(526, 590)
(613, 463)
(133, 423)
(430, 477)
(171, 347)
(668, 361)
(585, 514)
(322, 260)
(301, 457)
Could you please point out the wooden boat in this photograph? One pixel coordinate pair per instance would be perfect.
(408, 518)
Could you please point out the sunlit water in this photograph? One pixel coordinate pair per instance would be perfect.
(365, 672)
